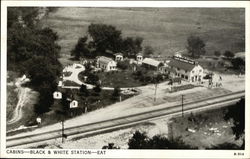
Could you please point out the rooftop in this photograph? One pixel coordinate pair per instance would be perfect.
(151, 62)
(104, 59)
(182, 63)
(116, 54)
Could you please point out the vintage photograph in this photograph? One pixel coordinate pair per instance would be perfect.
(125, 78)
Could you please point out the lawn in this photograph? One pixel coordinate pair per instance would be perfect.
(165, 29)
(122, 79)
(70, 83)
(203, 130)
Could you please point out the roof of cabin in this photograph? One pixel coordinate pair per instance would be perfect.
(151, 62)
(182, 63)
(116, 54)
(105, 60)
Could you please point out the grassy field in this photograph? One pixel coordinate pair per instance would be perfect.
(122, 79)
(165, 29)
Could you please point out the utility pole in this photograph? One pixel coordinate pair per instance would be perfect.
(62, 130)
(182, 105)
(155, 91)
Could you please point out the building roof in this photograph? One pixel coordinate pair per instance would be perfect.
(105, 60)
(151, 62)
(182, 63)
(120, 54)
(139, 54)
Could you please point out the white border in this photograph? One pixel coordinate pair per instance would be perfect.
(126, 153)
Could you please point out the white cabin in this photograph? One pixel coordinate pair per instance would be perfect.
(107, 64)
(118, 57)
(57, 95)
(73, 104)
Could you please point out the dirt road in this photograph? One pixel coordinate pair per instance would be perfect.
(22, 99)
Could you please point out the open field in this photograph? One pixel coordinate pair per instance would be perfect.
(165, 29)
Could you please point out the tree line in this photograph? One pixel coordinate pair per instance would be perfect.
(33, 50)
(103, 38)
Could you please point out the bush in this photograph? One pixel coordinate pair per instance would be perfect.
(97, 89)
(228, 54)
(116, 94)
(83, 90)
(92, 79)
(123, 65)
(238, 63)
(217, 53)
(142, 141)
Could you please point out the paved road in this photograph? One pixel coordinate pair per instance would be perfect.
(121, 122)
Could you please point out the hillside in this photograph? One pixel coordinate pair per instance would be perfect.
(166, 29)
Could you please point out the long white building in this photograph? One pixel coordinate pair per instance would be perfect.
(186, 68)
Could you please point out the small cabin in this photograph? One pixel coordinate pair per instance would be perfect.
(57, 95)
(60, 83)
(107, 64)
(139, 58)
(118, 57)
(73, 104)
(150, 63)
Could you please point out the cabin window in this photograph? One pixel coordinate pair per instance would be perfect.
(186, 71)
(192, 71)
(200, 70)
(178, 69)
(186, 77)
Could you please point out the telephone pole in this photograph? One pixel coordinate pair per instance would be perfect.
(62, 130)
(182, 106)
(155, 92)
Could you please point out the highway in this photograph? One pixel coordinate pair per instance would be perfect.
(122, 122)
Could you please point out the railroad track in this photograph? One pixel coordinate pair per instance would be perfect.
(122, 122)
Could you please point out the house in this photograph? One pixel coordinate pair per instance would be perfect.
(57, 95)
(151, 63)
(186, 68)
(118, 57)
(73, 104)
(107, 64)
(139, 58)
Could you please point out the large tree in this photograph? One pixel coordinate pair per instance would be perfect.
(81, 49)
(195, 46)
(132, 46)
(33, 50)
(105, 37)
(238, 63)
(237, 113)
(148, 51)
(228, 54)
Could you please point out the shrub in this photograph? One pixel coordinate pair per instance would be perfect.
(217, 53)
(228, 54)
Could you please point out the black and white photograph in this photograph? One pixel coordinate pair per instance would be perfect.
(81, 80)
